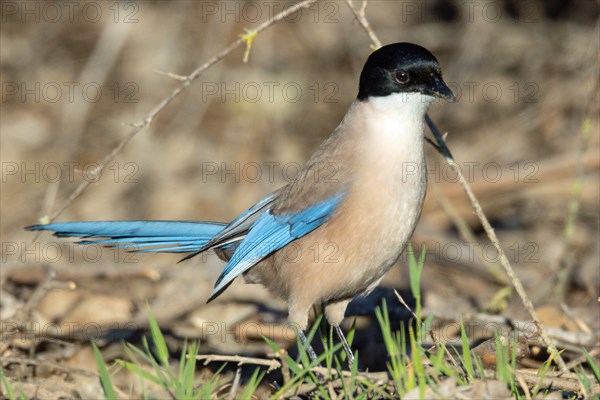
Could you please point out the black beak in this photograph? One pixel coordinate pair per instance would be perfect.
(441, 90)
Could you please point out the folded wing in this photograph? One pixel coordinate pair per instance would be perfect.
(270, 233)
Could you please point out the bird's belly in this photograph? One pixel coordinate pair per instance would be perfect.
(349, 254)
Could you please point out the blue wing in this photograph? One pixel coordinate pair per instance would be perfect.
(237, 230)
(270, 233)
(256, 233)
(139, 236)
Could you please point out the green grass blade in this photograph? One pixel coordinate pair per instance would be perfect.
(354, 372)
(105, 380)
(292, 364)
(182, 359)
(328, 344)
(189, 370)
(252, 384)
(163, 373)
(593, 365)
(437, 361)
(158, 340)
(141, 372)
(132, 351)
(8, 390)
(417, 362)
(415, 272)
(584, 380)
(467, 361)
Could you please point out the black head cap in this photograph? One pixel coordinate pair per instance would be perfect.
(402, 68)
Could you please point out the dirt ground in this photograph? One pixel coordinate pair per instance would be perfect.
(77, 76)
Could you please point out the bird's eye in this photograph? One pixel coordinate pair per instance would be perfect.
(402, 77)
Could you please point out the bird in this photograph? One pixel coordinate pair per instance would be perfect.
(332, 232)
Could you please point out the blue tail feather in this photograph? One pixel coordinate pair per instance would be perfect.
(171, 236)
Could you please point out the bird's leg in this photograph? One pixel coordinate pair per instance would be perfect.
(335, 313)
(298, 316)
(347, 348)
(309, 350)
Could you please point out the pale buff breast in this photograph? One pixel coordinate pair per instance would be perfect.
(349, 254)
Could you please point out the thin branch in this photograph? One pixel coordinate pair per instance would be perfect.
(464, 230)
(364, 22)
(445, 152)
(137, 127)
(523, 385)
(179, 78)
(271, 364)
(236, 384)
(380, 376)
(285, 369)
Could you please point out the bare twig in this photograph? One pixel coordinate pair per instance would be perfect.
(576, 320)
(374, 376)
(137, 127)
(379, 377)
(331, 391)
(523, 385)
(285, 369)
(445, 152)
(171, 75)
(236, 383)
(364, 22)
(271, 364)
(465, 231)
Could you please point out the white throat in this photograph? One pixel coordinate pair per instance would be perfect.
(396, 122)
(403, 108)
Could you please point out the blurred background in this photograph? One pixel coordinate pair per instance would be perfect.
(77, 75)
